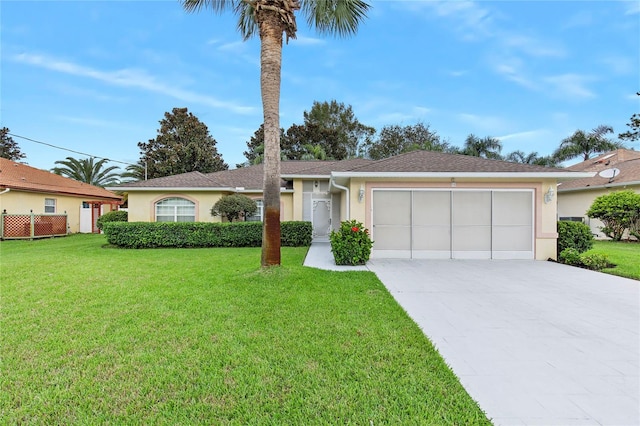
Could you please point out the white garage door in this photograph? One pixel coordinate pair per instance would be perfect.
(458, 224)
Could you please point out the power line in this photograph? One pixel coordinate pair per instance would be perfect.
(70, 150)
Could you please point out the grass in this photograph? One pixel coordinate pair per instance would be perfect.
(624, 254)
(93, 335)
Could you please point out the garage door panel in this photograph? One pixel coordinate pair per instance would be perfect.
(392, 208)
(512, 238)
(471, 208)
(392, 238)
(512, 208)
(431, 238)
(474, 238)
(431, 208)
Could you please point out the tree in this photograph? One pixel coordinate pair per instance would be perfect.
(531, 158)
(270, 19)
(255, 147)
(618, 211)
(9, 148)
(486, 147)
(183, 145)
(313, 152)
(234, 206)
(395, 139)
(586, 144)
(134, 172)
(634, 124)
(88, 170)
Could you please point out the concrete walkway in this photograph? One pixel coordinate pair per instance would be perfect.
(535, 343)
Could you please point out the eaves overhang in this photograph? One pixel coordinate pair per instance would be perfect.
(560, 176)
(605, 186)
(169, 188)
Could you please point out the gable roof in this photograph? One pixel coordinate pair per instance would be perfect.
(414, 163)
(18, 176)
(626, 161)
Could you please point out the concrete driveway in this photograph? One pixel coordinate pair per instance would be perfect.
(532, 342)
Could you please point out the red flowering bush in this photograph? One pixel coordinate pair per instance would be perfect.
(351, 244)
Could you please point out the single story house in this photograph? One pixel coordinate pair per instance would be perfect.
(25, 189)
(420, 204)
(612, 171)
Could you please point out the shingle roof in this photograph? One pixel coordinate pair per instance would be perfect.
(251, 177)
(26, 178)
(626, 161)
(431, 161)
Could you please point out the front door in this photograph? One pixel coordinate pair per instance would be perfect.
(321, 214)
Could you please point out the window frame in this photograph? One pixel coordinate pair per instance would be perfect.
(53, 205)
(259, 214)
(176, 209)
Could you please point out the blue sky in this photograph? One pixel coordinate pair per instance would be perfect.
(97, 77)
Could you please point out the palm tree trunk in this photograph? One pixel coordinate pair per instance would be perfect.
(271, 34)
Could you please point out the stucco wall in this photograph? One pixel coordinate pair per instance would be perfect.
(142, 204)
(18, 202)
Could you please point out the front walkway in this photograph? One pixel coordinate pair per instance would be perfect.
(535, 343)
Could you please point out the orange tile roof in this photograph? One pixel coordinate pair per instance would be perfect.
(18, 176)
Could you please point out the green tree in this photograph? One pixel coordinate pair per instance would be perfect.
(88, 170)
(633, 134)
(183, 144)
(134, 172)
(313, 152)
(395, 139)
(270, 19)
(9, 148)
(234, 206)
(585, 144)
(531, 158)
(255, 147)
(486, 147)
(618, 211)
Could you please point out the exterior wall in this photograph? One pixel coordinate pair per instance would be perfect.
(545, 213)
(296, 199)
(576, 204)
(142, 204)
(19, 202)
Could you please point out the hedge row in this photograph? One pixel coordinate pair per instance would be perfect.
(201, 234)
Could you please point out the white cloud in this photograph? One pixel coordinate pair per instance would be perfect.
(571, 85)
(129, 78)
(483, 123)
(632, 7)
(513, 72)
(234, 46)
(306, 41)
(521, 135)
(88, 121)
(532, 46)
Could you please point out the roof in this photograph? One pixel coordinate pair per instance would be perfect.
(415, 163)
(624, 162)
(21, 177)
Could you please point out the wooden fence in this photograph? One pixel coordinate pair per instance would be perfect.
(30, 225)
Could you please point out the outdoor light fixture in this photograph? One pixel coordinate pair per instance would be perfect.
(361, 193)
(548, 196)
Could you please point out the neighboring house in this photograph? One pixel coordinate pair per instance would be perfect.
(613, 171)
(25, 189)
(421, 204)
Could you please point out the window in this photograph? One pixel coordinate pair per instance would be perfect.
(257, 217)
(175, 210)
(49, 205)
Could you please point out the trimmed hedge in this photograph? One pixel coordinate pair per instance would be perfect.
(201, 234)
(576, 235)
(113, 216)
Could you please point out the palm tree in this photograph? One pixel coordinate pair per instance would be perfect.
(313, 152)
(88, 171)
(585, 144)
(270, 19)
(531, 158)
(482, 147)
(135, 172)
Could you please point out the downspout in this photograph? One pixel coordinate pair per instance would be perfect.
(5, 191)
(343, 188)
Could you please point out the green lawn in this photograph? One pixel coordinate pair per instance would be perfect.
(624, 254)
(94, 335)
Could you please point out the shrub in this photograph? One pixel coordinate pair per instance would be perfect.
(351, 245)
(570, 256)
(201, 234)
(618, 211)
(594, 261)
(114, 216)
(574, 235)
(234, 206)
